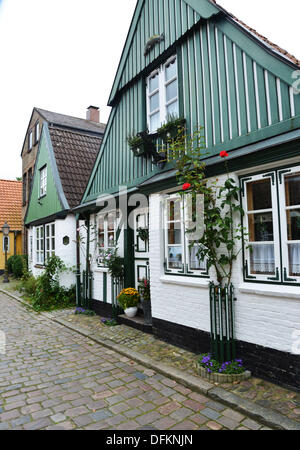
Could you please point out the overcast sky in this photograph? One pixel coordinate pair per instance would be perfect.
(62, 55)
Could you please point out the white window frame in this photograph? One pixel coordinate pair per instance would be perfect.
(37, 132)
(186, 269)
(282, 174)
(106, 232)
(49, 244)
(39, 244)
(43, 181)
(161, 90)
(30, 140)
(276, 235)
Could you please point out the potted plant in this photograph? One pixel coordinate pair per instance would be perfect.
(171, 128)
(137, 144)
(128, 300)
(144, 289)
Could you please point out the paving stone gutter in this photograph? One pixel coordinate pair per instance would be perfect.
(264, 415)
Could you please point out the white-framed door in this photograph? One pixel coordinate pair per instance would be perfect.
(141, 245)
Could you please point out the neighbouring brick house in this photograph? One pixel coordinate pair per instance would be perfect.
(11, 213)
(67, 151)
(192, 59)
(31, 142)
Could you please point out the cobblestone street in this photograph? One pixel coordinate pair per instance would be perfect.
(54, 378)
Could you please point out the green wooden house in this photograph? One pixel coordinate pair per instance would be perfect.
(67, 151)
(193, 60)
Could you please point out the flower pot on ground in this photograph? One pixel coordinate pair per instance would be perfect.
(131, 312)
(226, 372)
(144, 289)
(128, 300)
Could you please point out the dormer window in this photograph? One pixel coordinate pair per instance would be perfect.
(37, 132)
(30, 140)
(43, 181)
(162, 95)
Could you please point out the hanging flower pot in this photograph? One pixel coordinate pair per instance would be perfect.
(171, 129)
(137, 145)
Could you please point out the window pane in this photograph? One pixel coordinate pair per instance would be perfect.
(111, 222)
(111, 239)
(292, 190)
(47, 230)
(293, 225)
(175, 257)
(101, 239)
(194, 262)
(53, 244)
(53, 230)
(154, 102)
(153, 83)
(294, 259)
(174, 234)
(171, 70)
(101, 224)
(154, 122)
(171, 91)
(261, 227)
(42, 232)
(262, 259)
(172, 109)
(259, 195)
(174, 212)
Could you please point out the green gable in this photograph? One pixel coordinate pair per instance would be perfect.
(233, 84)
(54, 201)
(154, 17)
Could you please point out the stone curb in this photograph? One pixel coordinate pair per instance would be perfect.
(265, 416)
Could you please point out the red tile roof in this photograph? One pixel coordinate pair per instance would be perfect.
(11, 204)
(275, 48)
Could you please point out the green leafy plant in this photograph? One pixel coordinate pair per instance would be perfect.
(144, 289)
(128, 298)
(218, 244)
(171, 128)
(109, 322)
(213, 366)
(17, 265)
(143, 234)
(48, 293)
(109, 258)
(137, 144)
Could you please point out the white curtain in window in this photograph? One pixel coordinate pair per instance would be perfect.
(262, 258)
(294, 259)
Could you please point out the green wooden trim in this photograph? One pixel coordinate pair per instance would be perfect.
(105, 287)
(277, 277)
(246, 272)
(285, 276)
(282, 172)
(257, 50)
(271, 175)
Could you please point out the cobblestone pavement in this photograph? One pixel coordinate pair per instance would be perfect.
(258, 391)
(54, 378)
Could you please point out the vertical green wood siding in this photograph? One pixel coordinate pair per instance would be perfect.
(50, 204)
(237, 98)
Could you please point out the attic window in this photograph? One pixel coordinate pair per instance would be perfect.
(43, 181)
(37, 132)
(30, 140)
(162, 95)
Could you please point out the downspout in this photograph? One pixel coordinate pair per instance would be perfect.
(88, 289)
(78, 282)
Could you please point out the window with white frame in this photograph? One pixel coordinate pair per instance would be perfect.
(107, 226)
(272, 253)
(49, 240)
(180, 256)
(39, 242)
(289, 201)
(30, 140)
(162, 95)
(43, 181)
(37, 132)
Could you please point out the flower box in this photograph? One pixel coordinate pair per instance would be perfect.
(221, 377)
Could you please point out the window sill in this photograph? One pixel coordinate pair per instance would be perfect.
(185, 281)
(100, 269)
(281, 291)
(39, 266)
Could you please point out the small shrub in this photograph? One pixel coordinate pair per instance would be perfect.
(29, 285)
(213, 366)
(48, 294)
(17, 265)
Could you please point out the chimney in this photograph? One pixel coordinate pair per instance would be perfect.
(93, 114)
